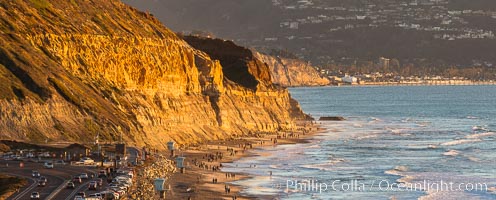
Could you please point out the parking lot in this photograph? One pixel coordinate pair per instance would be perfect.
(58, 177)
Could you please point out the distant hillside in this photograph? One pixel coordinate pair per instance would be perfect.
(217, 16)
(428, 37)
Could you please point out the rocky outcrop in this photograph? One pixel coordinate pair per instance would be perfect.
(292, 72)
(160, 168)
(72, 70)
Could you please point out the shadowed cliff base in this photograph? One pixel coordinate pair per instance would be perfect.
(238, 63)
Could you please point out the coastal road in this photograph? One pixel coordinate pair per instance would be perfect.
(57, 178)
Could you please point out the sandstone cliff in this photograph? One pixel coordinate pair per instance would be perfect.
(292, 72)
(72, 70)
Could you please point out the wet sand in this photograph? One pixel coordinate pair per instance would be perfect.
(202, 162)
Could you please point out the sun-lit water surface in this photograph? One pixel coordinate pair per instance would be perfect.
(412, 135)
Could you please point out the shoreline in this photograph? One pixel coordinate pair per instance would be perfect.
(433, 83)
(204, 178)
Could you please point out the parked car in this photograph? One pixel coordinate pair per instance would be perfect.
(18, 158)
(84, 176)
(87, 161)
(110, 194)
(36, 174)
(98, 195)
(60, 162)
(35, 195)
(70, 185)
(77, 179)
(78, 198)
(48, 165)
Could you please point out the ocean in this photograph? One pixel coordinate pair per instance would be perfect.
(397, 142)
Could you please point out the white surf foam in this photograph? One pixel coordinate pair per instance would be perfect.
(327, 166)
(479, 128)
(461, 141)
(480, 135)
(451, 153)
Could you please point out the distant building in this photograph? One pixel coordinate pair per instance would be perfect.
(271, 39)
(384, 62)
(293, 25)
(349, 80)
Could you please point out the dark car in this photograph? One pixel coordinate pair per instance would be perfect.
(41, 183)
(82, 194)
(77, 179)
(93, 185)
(36, 174)
(102, 174)
(99, 181)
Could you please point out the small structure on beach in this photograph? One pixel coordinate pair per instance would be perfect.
(180, 163)
(171, 147)
(159, 184)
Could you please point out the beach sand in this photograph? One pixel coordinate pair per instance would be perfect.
(197, 181)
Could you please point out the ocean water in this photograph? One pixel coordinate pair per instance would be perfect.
(405, 142)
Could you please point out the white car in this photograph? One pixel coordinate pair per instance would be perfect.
(87, 161)
(95, 196)
(35, 195)
(84, 176)
(48, 165)
(78, 198)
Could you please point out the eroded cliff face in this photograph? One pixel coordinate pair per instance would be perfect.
(292, 72)
(72, 70)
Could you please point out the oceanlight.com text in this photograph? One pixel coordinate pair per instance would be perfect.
(316, 186)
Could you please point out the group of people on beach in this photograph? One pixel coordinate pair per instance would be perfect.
(231, 151)
(205, 166)
(227, 188)
(288, 135)
(213, 157)
(230, 175)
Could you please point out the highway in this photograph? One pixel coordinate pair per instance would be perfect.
(57, 179)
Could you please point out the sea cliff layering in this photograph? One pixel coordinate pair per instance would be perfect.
(72, 70)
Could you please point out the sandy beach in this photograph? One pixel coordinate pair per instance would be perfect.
(203, 178)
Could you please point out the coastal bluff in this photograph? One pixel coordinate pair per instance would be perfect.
(72, 71)
(292, 72)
